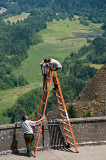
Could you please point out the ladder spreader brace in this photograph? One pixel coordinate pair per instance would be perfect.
(62, 109)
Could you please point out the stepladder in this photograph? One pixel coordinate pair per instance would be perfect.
(68, 132)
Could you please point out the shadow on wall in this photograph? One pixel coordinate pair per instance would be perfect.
(14, 145)
(56, 137)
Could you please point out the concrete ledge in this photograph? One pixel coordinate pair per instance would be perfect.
(86, 120)
(87, 131)
(91, 143)
(7, 126)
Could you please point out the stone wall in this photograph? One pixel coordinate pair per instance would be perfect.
(86, 131)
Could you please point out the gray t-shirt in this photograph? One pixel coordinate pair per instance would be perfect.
(55, 64)
(27, 126)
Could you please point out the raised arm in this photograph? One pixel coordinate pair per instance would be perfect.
(39, 120)
(41, 63)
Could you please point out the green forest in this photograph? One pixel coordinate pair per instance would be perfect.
(65, 8)
(17, 38)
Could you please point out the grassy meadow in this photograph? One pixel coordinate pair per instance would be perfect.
(57, 43)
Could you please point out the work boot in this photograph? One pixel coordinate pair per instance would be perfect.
(56, 87)
(67, 145)
(29, 154)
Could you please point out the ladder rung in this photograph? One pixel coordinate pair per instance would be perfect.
(64, 117)
(67, 130)
(39, 114)
(42, 102)
(58, 96)
(62, 110)
(69, 137)
(65, 123)
(71, 143)
(45, 90)
(60, 103)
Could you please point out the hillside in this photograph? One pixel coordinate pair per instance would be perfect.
(93, 96)
(52, 46)
(52, 28)
(90, 102)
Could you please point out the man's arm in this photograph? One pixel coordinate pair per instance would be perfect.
(41, 63)
(17, 124)
(33, 123)
(39, 120)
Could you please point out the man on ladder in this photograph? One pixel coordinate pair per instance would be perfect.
(47, 64)
(44, 65)
(51, 63)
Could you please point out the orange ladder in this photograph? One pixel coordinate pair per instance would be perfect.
(62, 108)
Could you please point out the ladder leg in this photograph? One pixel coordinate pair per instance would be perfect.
(41, 99)
(66, 112)
(61, 113)
(43, 114)
(73, 137)
(40, 103)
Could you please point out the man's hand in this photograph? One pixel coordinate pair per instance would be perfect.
(15, 124)
(41, 118)
(44, 65)
(41, 63)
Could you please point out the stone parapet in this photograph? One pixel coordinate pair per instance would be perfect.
(86, 131)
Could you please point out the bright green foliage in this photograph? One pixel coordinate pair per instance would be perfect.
(95, 52)
(15, 40)
(25, 105)
(71, 7)
(87, 113)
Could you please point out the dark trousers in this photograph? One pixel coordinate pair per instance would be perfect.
(30, 147)
(45, 94)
